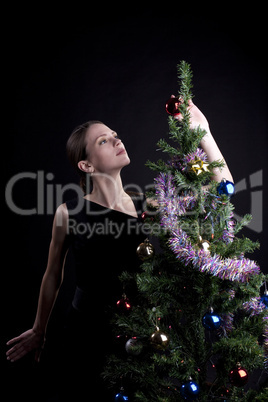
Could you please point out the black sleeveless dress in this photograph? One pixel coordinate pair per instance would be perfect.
(104, 243)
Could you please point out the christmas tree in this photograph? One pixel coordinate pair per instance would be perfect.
(198, 326)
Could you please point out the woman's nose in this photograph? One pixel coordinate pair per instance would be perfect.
(117, 141)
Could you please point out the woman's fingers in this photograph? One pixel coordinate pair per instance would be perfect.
(16, 352)
(13, 340)
(24, 344)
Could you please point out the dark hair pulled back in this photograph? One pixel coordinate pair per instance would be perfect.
(76, 150)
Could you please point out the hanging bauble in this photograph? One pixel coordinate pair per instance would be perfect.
(159, 340)
(145, 250)
(197, 166)
(133, 346)
(173, 106)
(144, 215)
(121, 396)
(238, 376)
(190, 390)
(264, 298)
(204, 244)
(211, 321)
(226, 187)
(123, 304)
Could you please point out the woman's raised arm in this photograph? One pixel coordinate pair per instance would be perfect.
(208, 143)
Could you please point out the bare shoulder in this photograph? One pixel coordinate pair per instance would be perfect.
(62, 210)
(59, 244)
(60, 223)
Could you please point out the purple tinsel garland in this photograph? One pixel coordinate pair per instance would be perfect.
(182, 163)
(254, 306)
(171, 207)
(228, 233)
(265, 335)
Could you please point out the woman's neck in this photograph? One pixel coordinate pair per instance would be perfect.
(107, 190)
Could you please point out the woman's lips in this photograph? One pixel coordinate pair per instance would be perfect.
(121, 151)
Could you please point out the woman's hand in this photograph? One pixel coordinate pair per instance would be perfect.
(25, 343)
(208, 143)
(197, 118)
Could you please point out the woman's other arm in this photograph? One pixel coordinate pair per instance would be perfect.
(34, 338)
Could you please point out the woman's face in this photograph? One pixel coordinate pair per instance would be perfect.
(106, 152)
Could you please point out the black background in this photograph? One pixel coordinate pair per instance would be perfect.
(119, 65)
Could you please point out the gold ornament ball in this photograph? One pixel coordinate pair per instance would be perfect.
(159, 340)
(145, 250)
(204, 244)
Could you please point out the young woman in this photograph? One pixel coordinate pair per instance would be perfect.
(103, 229)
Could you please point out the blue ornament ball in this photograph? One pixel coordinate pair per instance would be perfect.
(121, 397)
(211, 321)
(189, 390)
(226, 187)
(264, 299)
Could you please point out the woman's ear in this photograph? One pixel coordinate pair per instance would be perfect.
(85, 166)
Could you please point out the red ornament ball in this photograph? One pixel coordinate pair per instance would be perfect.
(238, 376)
(173, 106)
(123, 304)
(144, 215)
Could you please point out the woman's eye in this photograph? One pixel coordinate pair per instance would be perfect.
(106, 140)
